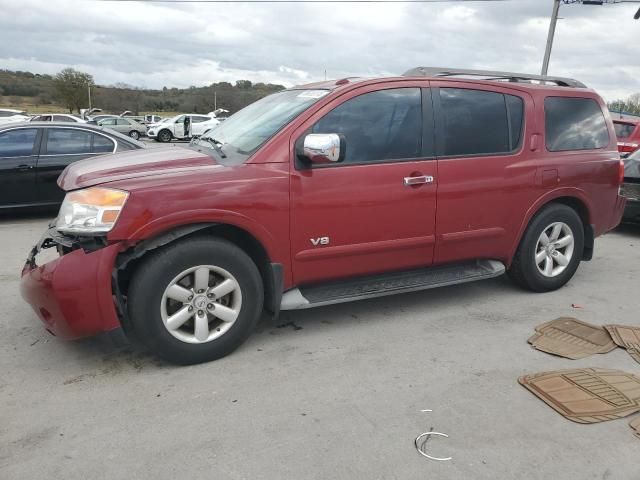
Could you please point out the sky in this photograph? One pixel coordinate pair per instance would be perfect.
(178, 45)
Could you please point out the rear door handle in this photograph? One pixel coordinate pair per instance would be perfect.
(24, 168)
(409, 181)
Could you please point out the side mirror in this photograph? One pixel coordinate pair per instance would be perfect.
(323, 148)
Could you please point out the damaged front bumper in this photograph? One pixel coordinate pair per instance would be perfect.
(72, 294)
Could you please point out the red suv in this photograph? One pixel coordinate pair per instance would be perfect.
(327, 193)
(628, 133)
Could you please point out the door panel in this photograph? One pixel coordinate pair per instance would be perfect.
(361, 216)
(485, 172)
(18, 157)
(178, 127)
(123, 126)
(60, 147)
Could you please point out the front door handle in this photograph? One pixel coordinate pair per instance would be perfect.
(410, 181)
(24, 168)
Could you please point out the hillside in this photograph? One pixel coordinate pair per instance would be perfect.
(36, 93)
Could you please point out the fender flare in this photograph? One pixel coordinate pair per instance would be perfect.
(201, 219)
(547, 198)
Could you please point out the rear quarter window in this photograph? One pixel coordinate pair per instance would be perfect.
(574, 124)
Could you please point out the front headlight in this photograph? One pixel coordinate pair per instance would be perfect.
(93, 210)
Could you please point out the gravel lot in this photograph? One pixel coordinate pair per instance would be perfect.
(334, 392)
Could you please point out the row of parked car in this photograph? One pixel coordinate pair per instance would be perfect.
(179, 127)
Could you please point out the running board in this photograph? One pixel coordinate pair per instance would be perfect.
(389, 284)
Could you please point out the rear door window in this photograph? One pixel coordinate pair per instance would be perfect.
(62, 118)
(17, 143)
(478, 122)
(67, 141)
(573, 123)
(102, 144)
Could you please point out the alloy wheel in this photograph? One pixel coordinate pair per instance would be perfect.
(554, 249)
(201, 304)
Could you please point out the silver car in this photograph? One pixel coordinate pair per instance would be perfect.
(125, 126)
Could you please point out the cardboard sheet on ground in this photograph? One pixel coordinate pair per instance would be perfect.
(627, 338)
(571, 338)
(635, 425)
(587, 395)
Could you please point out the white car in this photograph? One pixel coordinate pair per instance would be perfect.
(173, 127)
(8, 115)
(57, 117)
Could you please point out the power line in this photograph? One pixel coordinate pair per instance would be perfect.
(301, 1)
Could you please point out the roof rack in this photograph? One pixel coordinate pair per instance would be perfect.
(491, 75)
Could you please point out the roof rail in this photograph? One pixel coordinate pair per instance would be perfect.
(491, 75)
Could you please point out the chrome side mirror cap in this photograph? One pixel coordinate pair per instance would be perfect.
(323, 148)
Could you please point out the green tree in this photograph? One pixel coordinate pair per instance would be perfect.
(244, 84)
(629, 105)
(72, 88)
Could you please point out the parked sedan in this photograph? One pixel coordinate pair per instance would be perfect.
(631, 187)
(32, 156)
(9, 115)
(125, 126)
(58, 117)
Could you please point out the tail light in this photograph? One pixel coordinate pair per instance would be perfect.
(627, 147)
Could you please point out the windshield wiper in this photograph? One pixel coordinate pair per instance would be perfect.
(217, 145)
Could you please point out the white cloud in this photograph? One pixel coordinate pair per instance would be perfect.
(155, 45)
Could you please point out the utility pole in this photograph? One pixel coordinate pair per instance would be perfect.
(215, 100)
(552, 32)
(89, 87)
(554, 20)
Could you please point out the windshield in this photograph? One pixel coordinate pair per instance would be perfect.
(623, 130)
(247, 130)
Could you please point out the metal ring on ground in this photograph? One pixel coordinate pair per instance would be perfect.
(426, 434)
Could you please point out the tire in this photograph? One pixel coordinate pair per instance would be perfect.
(134, 134)
(537, 277)
(152, 308)
(164, 136)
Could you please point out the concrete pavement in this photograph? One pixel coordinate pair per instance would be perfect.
(334, 393)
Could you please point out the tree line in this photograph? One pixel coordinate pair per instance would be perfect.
(69, 89)
(629, 105)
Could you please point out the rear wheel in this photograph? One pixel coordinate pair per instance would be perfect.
(134, 134)
(550, 250)
(165, 136)
(196, 300)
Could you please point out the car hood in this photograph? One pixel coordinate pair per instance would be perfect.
(157, 124)
(133, 164)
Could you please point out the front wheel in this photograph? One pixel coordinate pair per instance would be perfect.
(196, 300)
(134, 134)
(550, 250)
(165, 136)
